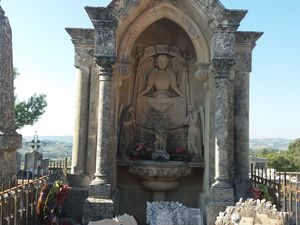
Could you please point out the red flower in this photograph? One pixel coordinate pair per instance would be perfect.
(256, 191)
(179, 150)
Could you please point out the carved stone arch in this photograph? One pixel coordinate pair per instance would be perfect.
(150, 16)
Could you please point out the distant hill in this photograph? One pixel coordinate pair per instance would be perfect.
(67, 139)
(255, 144)
(275, 143)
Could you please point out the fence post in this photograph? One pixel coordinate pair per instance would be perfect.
(285, 192)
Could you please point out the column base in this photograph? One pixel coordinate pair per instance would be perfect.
(97, 209)
(213, 210)
(222, 193)
(221, 198)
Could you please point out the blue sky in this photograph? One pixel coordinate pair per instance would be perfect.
(43, 54)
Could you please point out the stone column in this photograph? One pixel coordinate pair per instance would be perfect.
(245, 42)
(10, 140)
(81, 121)
(83, 40)
(222, 191)
(99, 205)
(222, 163)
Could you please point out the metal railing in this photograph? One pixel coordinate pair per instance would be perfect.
(18, 202)
(286, 186)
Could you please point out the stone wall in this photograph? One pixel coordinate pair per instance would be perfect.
(10, 141)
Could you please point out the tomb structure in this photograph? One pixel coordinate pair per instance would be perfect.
(163, 106)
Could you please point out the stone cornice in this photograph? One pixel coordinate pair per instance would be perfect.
(82, 37)
(232, 18)
(247, 39)
(245, 42)
(102, 18)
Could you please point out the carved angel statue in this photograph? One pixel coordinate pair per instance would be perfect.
(194, 134)
(161, 83)
(127, 131)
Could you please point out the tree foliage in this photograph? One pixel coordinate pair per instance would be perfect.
(284, 160)
(28, 112)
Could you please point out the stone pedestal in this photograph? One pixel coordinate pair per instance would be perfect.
(97, 209)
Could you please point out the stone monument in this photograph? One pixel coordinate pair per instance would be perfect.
(10, 140)
(181, 65)
(34, 161)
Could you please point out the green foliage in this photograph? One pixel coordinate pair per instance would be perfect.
(284, 160)
(15, 73)
(28, 112)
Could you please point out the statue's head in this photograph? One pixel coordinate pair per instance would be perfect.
(162, 61)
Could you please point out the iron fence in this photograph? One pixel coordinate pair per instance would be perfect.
(18, 202)
(286, 187)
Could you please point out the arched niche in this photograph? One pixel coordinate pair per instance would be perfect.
(128, 39)
(163, 37)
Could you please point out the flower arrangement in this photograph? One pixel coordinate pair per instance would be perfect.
(263, 191)
(50, 203)
(144, 152)
(179, 154)
(141, 151)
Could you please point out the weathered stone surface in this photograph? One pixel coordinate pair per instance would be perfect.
(7, 122)
(172, 213)
(252, 212)
(97, 209)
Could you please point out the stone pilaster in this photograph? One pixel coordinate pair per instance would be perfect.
(245, 42)
(10, 140)
(99, 204)
(83, 40)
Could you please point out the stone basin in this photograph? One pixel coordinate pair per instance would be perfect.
(160, 177)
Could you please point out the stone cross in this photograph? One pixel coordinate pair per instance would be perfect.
(35, 144)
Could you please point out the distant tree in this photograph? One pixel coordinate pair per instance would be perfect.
(295, 145)
(28, 112)
(282, 160)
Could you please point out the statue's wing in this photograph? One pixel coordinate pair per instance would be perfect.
(202, 114)
(176, 66)
(148, 66)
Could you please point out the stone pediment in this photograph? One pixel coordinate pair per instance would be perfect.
(212, 11)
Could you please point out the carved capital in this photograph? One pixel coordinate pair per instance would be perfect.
(222, 67)
(104, 64)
